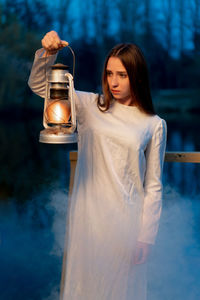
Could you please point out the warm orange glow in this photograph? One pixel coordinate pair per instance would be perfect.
(58, 112)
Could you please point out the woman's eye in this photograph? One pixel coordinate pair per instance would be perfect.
(109, 73)
(123, 75)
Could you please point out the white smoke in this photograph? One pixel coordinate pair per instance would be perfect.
(174, 265)
(54, 295)
(58, 203)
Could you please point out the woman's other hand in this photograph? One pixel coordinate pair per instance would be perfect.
(141, 253)
(52, 43)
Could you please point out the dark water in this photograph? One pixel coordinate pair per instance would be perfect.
(34, 181)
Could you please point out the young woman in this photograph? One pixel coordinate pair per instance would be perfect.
(115, 206)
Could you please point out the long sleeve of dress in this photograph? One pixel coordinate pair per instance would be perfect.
(155, 153)
(39, 71)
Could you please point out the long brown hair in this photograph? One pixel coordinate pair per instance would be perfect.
(134, 62)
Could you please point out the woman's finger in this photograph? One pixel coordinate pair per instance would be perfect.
(137, 255)
(141, 253)
(64, 43)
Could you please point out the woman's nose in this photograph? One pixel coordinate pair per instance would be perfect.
(114, 81)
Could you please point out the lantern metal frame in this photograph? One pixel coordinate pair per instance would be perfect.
(66, 132)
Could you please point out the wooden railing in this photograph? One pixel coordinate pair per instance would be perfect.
(186, 157)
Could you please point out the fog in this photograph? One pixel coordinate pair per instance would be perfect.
(32, 269)
(174, 265)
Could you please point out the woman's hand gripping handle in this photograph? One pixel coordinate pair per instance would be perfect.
(52, 43)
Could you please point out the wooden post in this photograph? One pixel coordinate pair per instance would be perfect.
(73, 160)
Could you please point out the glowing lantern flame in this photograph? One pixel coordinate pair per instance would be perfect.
(58, 112)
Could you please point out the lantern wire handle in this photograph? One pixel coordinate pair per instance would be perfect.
(74, 59)
(73, 72)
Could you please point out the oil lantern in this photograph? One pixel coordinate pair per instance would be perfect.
(59, 117)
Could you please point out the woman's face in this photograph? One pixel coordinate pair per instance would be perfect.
(118, 81)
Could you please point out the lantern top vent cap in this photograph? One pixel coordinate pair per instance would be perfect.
(59, 67)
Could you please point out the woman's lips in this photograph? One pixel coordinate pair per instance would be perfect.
(115, 91)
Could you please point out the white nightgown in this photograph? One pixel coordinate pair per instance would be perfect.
(116, 199)
(120, 156)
